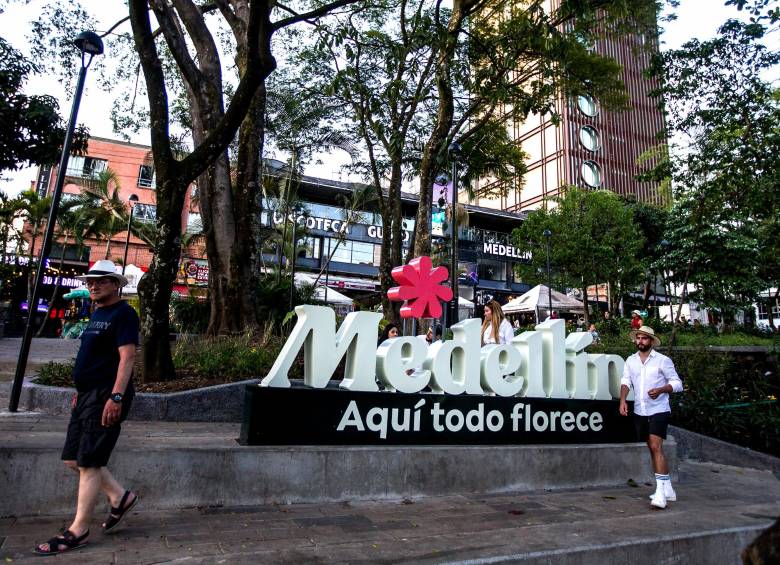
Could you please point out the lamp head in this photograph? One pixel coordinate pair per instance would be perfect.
(89, 42)
(454, 150)
(547, 233)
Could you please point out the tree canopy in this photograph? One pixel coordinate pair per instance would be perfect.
(594, 239)
(33, 131)
(723, 120)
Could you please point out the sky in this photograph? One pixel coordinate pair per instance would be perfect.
(695, 18)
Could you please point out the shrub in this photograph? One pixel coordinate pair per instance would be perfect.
(55, 374)
(190, 316)
(273, 298)
(726, 400)
(226, 358)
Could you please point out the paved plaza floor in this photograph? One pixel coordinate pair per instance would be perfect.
(719, 510)
(42, 350)
(553, 526)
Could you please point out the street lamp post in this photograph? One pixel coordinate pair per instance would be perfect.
(89, 44)
(454, 153)
(548, 234)
(130, 202)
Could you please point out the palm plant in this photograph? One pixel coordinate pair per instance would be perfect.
(111, 219)
(34, 209)
(77, 220)
(9, 207)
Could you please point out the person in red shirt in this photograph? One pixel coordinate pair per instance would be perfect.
(636, 320)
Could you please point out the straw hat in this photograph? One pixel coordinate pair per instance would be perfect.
(103, 268)
(649, 332)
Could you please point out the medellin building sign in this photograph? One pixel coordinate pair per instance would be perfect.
(540, 388)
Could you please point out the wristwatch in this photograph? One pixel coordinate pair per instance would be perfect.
(117, 397)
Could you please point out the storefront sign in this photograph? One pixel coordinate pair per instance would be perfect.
(69, 282)
(496, 381)
(312, 223)
(193, 272)
(504, 251)
(377, 233)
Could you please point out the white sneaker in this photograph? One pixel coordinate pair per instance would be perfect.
(658, 500)
(669, 493)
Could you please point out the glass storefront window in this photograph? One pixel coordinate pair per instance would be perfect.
(591, 174)
(491, 270)
(362, 253)
(354, 252)
(589, 138)
(310, 248)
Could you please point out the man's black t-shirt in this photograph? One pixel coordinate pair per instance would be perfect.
(98, 359)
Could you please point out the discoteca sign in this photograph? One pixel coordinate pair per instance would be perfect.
(543, 387)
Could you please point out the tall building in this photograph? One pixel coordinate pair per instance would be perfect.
(591, 147)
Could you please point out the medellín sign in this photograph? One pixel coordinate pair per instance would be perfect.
(540, 388)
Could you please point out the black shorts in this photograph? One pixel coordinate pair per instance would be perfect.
(88, 442)
(651, 425)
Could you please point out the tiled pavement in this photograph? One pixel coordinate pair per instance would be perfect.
(712, 499)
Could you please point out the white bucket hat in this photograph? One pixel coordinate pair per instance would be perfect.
(103, 268)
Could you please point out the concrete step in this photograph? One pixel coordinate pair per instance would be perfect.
(186, 464)
(719, 510)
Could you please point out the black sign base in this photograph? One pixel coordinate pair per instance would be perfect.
(306, 416)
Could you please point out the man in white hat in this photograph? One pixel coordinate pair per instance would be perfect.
(102, 376)
(652, 376)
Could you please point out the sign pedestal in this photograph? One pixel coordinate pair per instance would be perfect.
(305, 416)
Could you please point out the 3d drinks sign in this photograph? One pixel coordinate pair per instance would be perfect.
(540, 388)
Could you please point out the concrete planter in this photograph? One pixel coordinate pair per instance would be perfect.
(220, 403)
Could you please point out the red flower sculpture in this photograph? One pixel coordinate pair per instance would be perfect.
(421, 288)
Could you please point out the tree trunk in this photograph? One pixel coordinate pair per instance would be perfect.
(108, 238)
(434, 147)
(30, 258)
(392, 239)
(155, 287)
(249, 200)
(585, 306)
(770, 315)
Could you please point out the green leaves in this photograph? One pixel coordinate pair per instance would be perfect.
(723, 119)
(594, 239)
(33, 130)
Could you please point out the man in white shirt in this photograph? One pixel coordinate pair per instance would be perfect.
(652, 376)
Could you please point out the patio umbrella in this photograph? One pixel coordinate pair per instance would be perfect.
(77, 293)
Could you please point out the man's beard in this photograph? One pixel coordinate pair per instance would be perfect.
(643, 347)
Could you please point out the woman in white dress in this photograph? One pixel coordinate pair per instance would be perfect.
(496, 328)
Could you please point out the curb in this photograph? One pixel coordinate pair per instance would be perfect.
(218, 403)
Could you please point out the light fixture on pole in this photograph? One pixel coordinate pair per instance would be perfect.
(454, 153)
(131, 203)
(548, 234)
(89, 44)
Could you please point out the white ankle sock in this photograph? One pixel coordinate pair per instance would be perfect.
(662, 480)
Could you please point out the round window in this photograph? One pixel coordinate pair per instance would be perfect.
(591, 174)
(587, 105)
(589, 138)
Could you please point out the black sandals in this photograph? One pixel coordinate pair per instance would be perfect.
(118, 513)
(63, 543)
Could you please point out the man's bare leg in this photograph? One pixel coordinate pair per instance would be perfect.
(656, 444)
(111, 487)
(90, 480)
